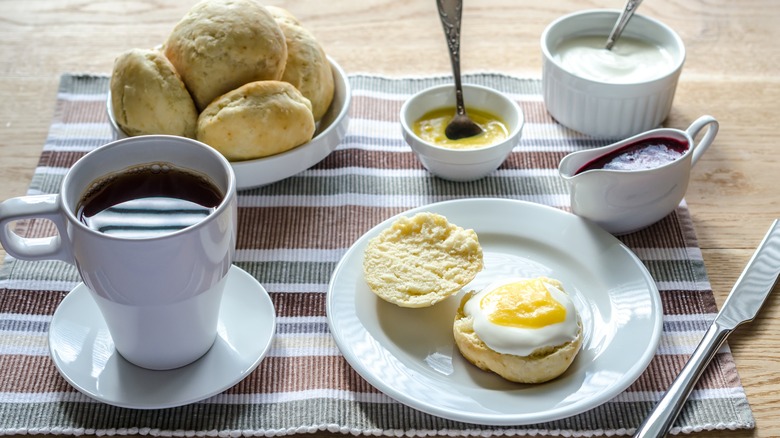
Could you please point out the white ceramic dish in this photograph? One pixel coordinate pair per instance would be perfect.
(410, 354)
(84, 354)
(608, 109)
(462, 164)
(330, 131)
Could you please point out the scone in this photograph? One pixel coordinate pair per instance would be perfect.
(307, 67)
(149, 97)
(524, 330)
(421, 260)
(257, 120)
(220, 45)
(281, 14)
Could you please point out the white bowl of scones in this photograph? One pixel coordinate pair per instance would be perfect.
(526, 330)
(248, 80)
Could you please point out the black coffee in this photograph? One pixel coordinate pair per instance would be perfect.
(148, 200)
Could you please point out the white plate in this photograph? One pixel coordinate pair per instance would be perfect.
(410, 354)
(84, 353)
(330, 131)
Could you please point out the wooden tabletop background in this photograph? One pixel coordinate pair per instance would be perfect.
(732, 71)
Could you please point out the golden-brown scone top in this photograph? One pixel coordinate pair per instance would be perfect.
(544, 364)
(220, 45)
(257, 120)
(307, 67)
(421, 260)
(149, 97)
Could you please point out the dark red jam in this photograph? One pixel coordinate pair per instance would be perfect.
(645, 154)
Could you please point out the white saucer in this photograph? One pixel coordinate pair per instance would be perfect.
(84, 353)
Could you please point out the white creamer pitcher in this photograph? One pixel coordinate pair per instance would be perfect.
(623, 201)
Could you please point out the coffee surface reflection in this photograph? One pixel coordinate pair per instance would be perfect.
(147, 201)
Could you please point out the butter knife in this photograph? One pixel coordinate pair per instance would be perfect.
(742, 305)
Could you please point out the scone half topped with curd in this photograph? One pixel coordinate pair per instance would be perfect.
(526, 330)
(419, 261)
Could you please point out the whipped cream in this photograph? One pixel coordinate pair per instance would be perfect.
(630, 60)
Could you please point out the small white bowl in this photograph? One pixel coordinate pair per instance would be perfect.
(462, 164)
(330, 131)
(608, 109)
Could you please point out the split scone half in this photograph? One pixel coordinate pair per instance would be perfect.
(524, 330)
(421, 260)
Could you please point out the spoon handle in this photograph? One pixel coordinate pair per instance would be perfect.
(628, 12)
(450, 12)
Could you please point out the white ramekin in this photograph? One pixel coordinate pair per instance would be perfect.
(604, 109)
(462, 164)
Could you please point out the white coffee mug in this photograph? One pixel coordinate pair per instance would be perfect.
(160, 295)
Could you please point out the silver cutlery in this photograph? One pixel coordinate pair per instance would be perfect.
(742, 305)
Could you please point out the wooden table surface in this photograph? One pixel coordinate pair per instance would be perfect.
(731, 72)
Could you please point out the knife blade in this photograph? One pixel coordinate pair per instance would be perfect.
(742, 305)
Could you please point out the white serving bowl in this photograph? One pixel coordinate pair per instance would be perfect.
(330, 131)
(608, 109)
(462, 164)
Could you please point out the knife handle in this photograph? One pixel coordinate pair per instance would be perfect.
(660, 420)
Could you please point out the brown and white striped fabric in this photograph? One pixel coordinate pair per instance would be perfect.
(292, 234)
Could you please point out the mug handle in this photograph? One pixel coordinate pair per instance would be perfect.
(42, 248)
(709, 136)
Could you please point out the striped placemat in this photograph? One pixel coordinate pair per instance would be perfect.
(292, 234)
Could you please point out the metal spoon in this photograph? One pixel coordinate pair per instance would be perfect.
(461, 125)
(628, 12)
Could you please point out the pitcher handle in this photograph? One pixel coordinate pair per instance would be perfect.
(693, 131)
(25, 248)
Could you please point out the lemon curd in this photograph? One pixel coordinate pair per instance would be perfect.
(430, 128)
(520, 315)
(523, 304)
